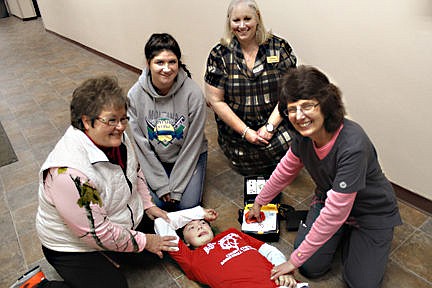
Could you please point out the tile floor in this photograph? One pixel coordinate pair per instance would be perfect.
(38, 74)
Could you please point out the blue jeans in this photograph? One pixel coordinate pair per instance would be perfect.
(192, 194)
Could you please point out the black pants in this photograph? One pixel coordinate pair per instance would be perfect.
(94, 269)
(84, 269)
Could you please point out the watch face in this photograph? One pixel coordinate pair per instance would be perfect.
(269, 127)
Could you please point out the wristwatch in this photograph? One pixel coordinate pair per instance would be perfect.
(269, 127)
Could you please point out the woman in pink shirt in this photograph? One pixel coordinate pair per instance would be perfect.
(354, 203)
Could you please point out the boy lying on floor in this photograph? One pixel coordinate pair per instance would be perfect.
(229, 259)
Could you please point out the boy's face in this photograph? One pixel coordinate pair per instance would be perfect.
(197, 233)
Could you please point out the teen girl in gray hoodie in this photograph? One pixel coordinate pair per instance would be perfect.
(167, 118)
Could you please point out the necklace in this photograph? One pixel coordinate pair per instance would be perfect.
(250, 56)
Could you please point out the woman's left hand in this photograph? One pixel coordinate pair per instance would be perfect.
(157, 244)
(156, 212)
(253, 137)
(263, 133)
(284, 268)
(166, 198)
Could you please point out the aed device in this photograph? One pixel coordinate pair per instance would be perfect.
(268, 229)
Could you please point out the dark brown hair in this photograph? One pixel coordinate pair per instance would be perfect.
(159, 42)
(306, 83)
(181, 235)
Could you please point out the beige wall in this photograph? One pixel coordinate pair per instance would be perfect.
(378, 52)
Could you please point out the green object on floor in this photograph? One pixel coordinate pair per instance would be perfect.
(7, 154)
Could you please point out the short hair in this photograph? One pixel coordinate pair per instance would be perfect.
(307, 82)
(94, 95)
(261, 33)
(181, 230)
(159, 42)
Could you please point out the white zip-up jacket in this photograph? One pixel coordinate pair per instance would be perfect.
(108, 222)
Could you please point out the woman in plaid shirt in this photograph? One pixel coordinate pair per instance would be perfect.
(242, 89)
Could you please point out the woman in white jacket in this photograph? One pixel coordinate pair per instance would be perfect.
(93, 194)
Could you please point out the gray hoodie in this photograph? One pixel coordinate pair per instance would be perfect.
(168, 129)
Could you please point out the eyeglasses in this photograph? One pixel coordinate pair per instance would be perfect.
(304, 108)
(114, 122)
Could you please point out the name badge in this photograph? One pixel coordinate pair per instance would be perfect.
(258, 69)
(273, 59)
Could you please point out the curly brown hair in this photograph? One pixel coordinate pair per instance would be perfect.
(306, 83)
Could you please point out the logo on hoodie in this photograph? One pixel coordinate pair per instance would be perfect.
(165, 130)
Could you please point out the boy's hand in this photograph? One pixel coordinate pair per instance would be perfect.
(286, 280)
(210, 215)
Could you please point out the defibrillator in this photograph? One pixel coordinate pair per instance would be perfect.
(268, 229)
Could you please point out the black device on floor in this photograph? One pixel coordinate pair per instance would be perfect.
(268, 229)
(293, 219)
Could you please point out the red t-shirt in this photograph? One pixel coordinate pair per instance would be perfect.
(231, 259)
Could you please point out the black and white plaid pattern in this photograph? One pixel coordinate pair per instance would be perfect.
(252, 95)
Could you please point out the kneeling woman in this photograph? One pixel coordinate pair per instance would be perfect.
(354, 203)
(168, 115)
(92, 193)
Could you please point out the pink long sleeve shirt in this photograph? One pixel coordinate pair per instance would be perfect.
(333, 215)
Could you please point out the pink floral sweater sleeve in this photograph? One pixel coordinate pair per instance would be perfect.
(98, 232)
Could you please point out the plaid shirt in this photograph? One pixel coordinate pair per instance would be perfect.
(252, 95)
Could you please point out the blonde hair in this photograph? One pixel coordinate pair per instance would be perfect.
(261, 34)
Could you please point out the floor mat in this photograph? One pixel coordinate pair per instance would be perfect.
(7, 154)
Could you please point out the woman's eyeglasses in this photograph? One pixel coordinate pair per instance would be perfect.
(113, 122)
(304, 108)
